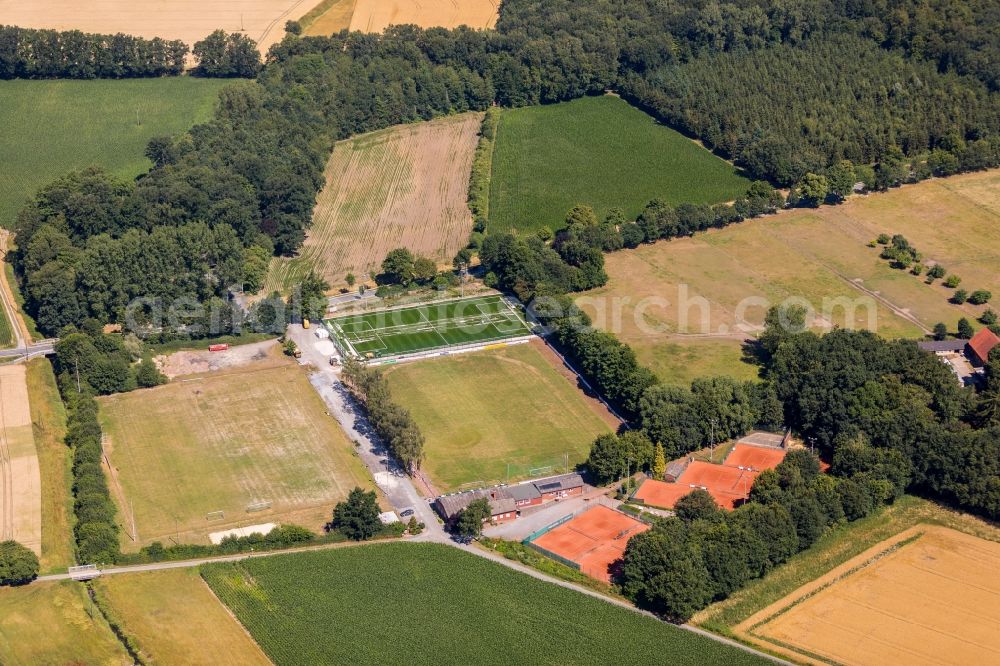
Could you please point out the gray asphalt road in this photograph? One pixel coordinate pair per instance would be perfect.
(396, 485)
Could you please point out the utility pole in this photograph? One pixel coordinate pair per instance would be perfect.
(712, 449)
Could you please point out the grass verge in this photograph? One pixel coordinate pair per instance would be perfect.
(48, 423)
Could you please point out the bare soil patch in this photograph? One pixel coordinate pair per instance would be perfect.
(918, 598)
(187, 20)
(401, 187)
(198, 362)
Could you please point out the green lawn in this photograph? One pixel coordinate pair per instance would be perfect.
(426, 327)
(433, 604)
(492, 413)
(599, 151)
(52, 127)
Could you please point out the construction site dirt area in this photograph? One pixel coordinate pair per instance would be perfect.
(20, 478)
(187, 20)
(594, 540)
(201, 361)
(930, 595)
(377, 15)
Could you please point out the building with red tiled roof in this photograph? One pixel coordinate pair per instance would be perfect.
(980, 346)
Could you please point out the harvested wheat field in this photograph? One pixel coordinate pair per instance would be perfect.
(187, 20)
(405, 186)
(927, 596)
(377, 15)
(20, 480)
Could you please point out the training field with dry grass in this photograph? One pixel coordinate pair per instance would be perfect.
(405, 186)
(20, 480)
(928, 596)
(187, 20)
(176, 619)
(710, 283)
(221, 441)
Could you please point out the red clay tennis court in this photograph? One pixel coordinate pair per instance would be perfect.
(729, 486)
(757, 457)
(593, 540)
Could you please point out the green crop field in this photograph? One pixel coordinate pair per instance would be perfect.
(488, 413)
(438, 605)
(598, 151)
(53, 127)
(427, 327)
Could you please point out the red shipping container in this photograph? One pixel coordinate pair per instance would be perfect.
(222, 347)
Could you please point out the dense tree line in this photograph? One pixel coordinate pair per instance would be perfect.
(256, 167)
(46, 54)
(280, 537)
(95, 363)
(227, 56)
(851, 385)
(392, 422)
(704, 554)
(96, 530)
(784, 111)
(482, 170)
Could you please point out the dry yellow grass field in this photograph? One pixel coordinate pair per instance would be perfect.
(20, 479)
(220, 442)
(55, 623)
(712, 282)
(175, 618)
(328, 17)
(405, 186)
(928, 596)
(48, 421)
(187, 20)
(377, 15)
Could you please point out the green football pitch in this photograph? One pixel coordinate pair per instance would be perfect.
(427, 327)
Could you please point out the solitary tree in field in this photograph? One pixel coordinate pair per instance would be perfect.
(964, 329)
(357, 516)
(940, 331)
(350, 279)
(18, 565)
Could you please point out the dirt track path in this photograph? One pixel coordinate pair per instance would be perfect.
(17, 325)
